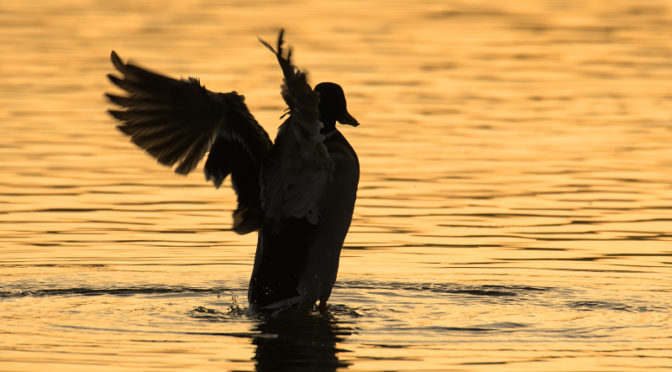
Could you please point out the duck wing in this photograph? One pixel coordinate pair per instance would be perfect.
(179, 121)
(299, 165)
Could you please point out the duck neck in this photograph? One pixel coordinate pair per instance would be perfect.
(329, 127)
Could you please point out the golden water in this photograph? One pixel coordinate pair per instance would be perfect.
(515, 203)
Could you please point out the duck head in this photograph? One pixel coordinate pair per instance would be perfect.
(333, 107)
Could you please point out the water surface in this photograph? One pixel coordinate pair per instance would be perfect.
(514, 210)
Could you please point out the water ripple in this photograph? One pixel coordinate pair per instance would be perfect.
(83, 291)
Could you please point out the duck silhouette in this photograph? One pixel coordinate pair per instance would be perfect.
(298, 192)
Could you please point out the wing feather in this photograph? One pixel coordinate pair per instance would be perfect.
(299, 166)
(179, 121)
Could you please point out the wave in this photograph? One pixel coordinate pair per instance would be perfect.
(85, 291)
(492, 290)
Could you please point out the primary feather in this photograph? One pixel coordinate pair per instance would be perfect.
(179, 121)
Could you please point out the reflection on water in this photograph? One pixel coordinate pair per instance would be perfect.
(514, 207)
(288, 342)
(298, 343)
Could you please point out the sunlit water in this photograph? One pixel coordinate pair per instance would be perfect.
(515, 203)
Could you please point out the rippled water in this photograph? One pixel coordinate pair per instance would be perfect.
(515, 204)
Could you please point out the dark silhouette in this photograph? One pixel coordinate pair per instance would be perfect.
(298, 192)
(298, 342)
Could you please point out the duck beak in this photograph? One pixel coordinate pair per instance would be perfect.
(348, 119)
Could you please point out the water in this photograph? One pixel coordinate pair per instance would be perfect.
(514, 211)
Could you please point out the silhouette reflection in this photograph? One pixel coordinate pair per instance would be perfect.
(299, 342)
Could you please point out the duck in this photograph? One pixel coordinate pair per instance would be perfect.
(297, 192)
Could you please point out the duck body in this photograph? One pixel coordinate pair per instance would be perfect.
(297, 264)
(298, 192)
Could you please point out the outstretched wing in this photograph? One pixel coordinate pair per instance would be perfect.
(299, 166)
(179, 121)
